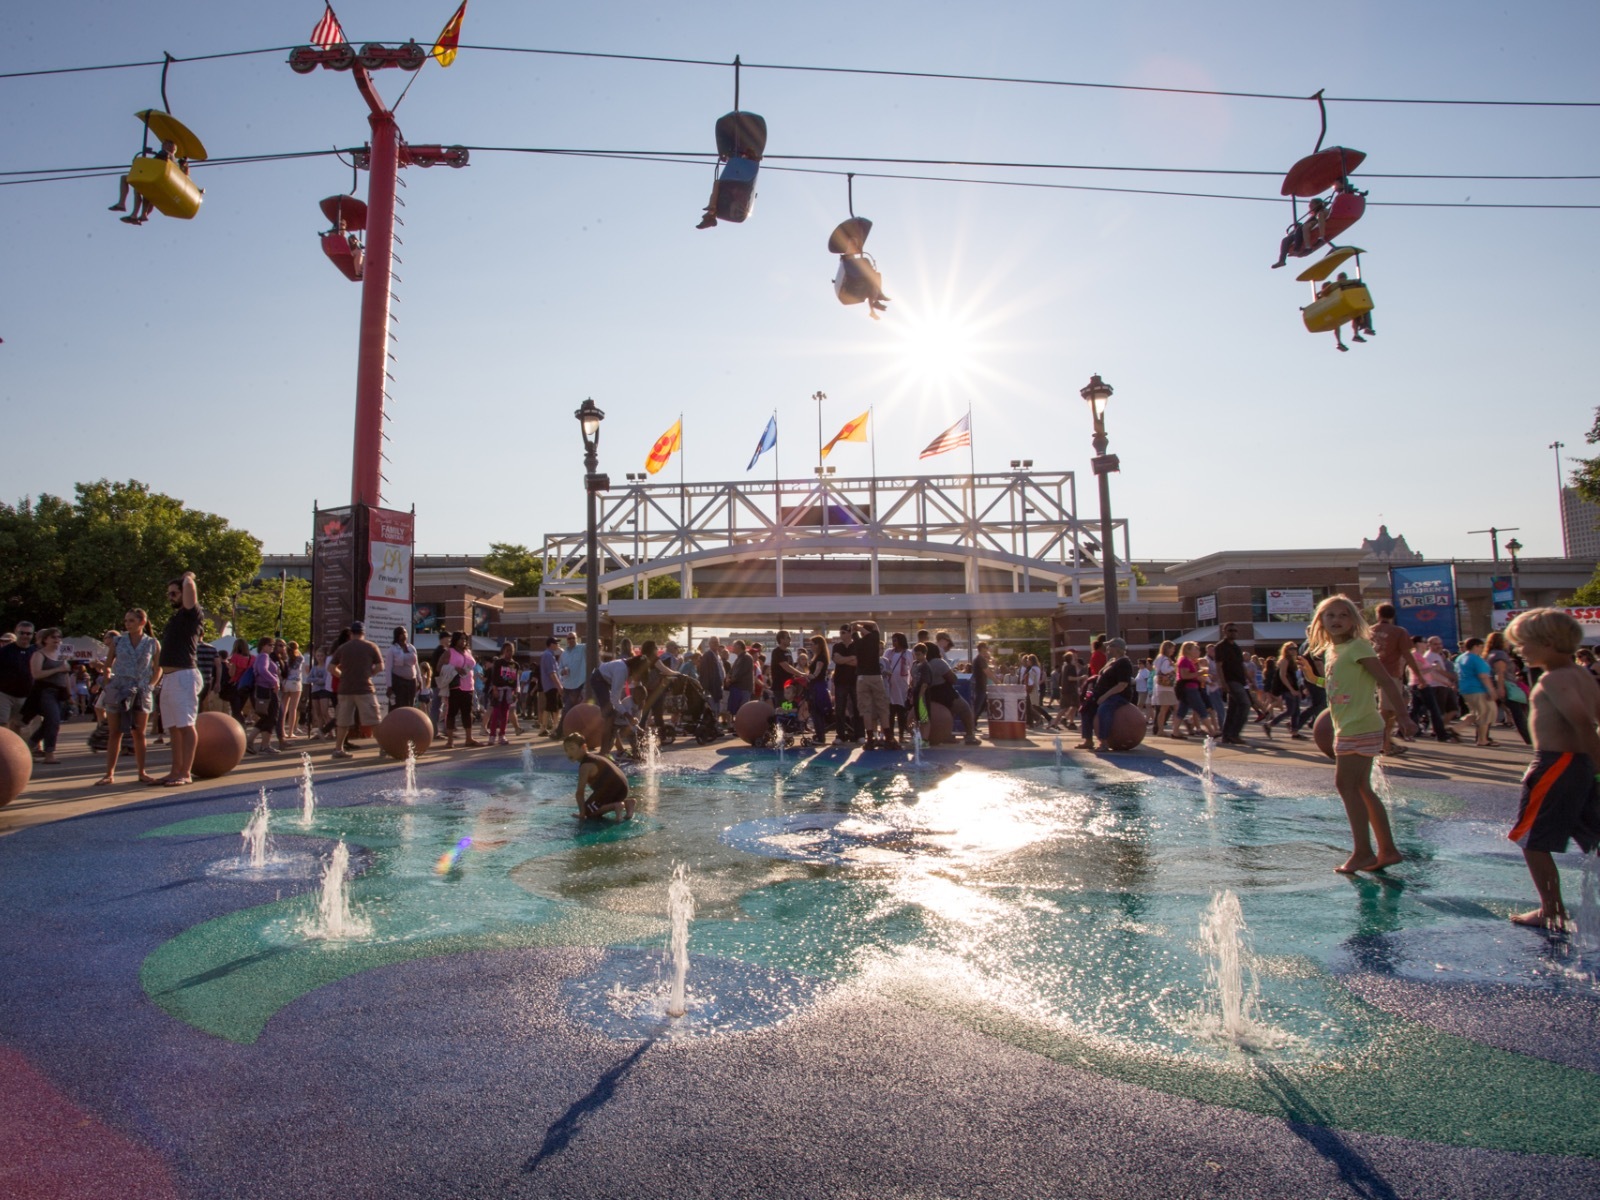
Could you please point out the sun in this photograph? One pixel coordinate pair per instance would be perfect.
(936, 349)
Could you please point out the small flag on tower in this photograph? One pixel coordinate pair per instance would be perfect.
(853, 431)
(958, 435)
(444, 48)
(666, 446)
(769, 439)
(327, 34)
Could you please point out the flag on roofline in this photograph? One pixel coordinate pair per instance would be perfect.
(853, 431)
(958, 435)
(444, 48)
(769, 439)
(328, 33)
(666, 445)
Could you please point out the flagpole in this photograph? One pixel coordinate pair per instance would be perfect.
(872, 441)
(819, 397)
(972, 453)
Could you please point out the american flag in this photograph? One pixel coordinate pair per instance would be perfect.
(327, 33)
(958, 435)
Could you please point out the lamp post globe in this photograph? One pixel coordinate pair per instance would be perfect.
(1096, 393)
(589, 417)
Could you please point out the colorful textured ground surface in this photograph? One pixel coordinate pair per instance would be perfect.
(965, 981)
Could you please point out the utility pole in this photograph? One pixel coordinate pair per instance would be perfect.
(1561, 498)
(1494, 533)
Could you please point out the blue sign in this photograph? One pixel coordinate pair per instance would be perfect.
(1425, 601)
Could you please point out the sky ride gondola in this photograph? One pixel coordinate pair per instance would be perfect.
(160, 179)
(857, 279)
(342, 243)
(1323, 170)
(1337, 300)
(741, 141)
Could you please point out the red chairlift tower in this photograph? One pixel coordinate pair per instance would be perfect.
(387, 153)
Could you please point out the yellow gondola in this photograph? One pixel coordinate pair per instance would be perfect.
(1339, 300)
(163, 179)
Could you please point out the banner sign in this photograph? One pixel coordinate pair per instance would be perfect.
(426, 618)
(388, 584)
(1503, 592)
(1290, 602)
(561, 628)
(333, 574)
(1205, 609)
(1425, 601)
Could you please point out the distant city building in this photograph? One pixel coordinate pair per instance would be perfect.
(1580, 525)
(1387, 549)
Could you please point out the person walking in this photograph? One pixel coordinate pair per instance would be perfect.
(1477, 688)
(501, 680)
(459, 678)
(353, 666)
(817, 689)
(1235, 682)
(741, 680)
(294, 681)
(1283, 682)
(52, 692)
(181, 684)
(16, 678)
(1508, 677)
(1393, 646)
(400, 658)
(1164, 689)
(547, 683)
(981, 669)
(264, 685)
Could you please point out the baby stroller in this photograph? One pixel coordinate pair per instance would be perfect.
(787, 718)
(700, 718)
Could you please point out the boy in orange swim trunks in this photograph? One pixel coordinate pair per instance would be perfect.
(1560, 796)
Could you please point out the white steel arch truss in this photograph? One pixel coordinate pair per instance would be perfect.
(1022, 523)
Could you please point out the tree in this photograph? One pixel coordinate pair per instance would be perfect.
(81, 565)
(257, 611)
(1011, 636)
(517, 563)
(662, 587)
(1586, 482)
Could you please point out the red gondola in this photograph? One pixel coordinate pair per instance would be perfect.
(342, 243)
(1326, 217)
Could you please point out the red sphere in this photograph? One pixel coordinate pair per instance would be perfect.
(753, 721)
(401, 727)
(1322, 733)
(16, 766)
(1128, 727)
(219, 744)
(586, 719)
(941, 725)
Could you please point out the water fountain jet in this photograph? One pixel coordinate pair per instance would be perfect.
(1224, 937)
(256, 842)
(308, 797)
(680, 911)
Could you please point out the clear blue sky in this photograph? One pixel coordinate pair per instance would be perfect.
(215, 359)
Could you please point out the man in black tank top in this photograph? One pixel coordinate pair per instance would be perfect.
(607, 785)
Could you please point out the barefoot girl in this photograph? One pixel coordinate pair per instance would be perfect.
(1354, 676)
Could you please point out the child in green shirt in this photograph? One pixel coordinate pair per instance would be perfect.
(1354, 675)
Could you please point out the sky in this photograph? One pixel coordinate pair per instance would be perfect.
(215, 359)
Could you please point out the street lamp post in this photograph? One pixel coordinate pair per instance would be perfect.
(1097, 393)
(589, 418)
(1514, 548)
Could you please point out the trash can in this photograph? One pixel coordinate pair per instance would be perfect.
(1008, 712)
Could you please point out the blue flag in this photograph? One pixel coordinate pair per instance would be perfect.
(769, 440)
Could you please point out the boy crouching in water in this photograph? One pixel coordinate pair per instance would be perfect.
(606, 784)
(1560, 797)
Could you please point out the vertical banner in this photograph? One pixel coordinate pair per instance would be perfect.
(1503, 598)
(390, 536)
(334, 545)
(1425, 601)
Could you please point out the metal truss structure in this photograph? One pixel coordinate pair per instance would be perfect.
(1016, 533)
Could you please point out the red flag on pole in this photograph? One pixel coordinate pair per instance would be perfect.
(666, 445)
(328, 32)
(444, 48)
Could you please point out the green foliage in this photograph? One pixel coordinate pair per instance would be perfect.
(517, 563)
(81, 565)
(256, 613)
(1010, 637)
(662, 587)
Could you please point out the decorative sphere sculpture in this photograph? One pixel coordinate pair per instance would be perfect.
(219, 744)
(941, 725)
(586, 719)
(753, 721)
(1125, 728)
(403, 726)
(16, 766)
(1322, 733)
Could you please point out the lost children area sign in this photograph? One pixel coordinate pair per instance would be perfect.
(1425, 601)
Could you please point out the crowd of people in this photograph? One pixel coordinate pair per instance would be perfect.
(1380, 685)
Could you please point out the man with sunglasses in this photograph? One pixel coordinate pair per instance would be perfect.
(16, 676)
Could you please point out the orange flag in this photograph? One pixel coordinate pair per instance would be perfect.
(666, 446)
(853, 431)
(444, 49)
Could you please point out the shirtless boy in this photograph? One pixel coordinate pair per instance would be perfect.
(606, 784)
(1560, 796)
